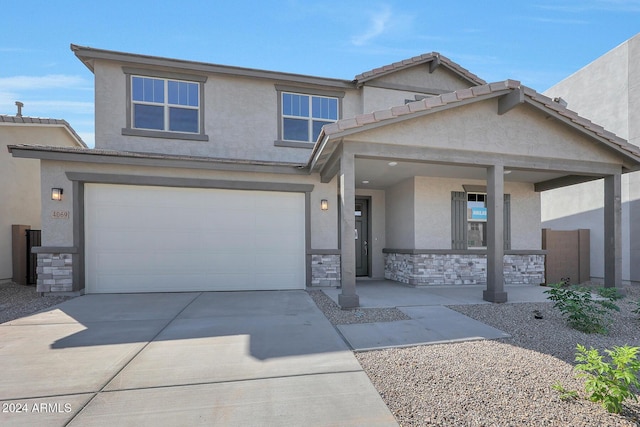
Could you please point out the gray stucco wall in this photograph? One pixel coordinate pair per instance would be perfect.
(240, 118)
(400, 211)
(523, 131)
(20, 189)
(607, 91)
(418, 212)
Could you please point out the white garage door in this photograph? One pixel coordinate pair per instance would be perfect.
(158, 239)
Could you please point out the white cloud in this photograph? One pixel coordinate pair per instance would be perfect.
(378, 23)
(51, 81)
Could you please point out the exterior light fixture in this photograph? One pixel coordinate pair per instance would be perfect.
(392, 163)
(56, 194)
(324, 204)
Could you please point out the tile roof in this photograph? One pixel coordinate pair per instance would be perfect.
(26, 120)
(417, 60)
(472, 94)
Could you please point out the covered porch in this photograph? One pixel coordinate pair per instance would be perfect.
(424, 158)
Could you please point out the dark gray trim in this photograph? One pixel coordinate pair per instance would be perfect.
(459, 240)
(54, 250)
(324, 252)
(564, 181)
(88, 54)
(78, 236)
(369, 232)
(481, 159)
(164, 74)
(130, 131)
(405, 88)
(434, 64)
(162, 134)
(307, 237)
(155, 160)
(525, 252)
(306, 90)
(509, 101)
(159, 181)
(293, 144)
(470, 188)
(462, 251)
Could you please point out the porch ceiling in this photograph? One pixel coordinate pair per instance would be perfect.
(380, 174)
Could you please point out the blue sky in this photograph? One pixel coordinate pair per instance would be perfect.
(538, 42)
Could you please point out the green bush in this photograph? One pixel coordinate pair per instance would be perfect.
(582, 311)
(609, 383)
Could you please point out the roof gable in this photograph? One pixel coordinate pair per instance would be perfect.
(38, 121)
(509, 94)
(432, 61)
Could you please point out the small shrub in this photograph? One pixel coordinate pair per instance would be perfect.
(582, 311)
(609, 383)
(564, 393)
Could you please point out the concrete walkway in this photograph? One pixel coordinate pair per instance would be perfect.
(430, 322)
(225, 358)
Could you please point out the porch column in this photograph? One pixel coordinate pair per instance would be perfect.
(347, 298)
(612, 231)
(495, 238)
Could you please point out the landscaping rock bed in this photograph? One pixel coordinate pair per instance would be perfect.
(505, 382)
(19, 301)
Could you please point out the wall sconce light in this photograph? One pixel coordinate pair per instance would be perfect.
(56, 194)
(324, 204)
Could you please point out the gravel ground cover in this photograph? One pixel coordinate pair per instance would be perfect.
(505, 382)
(19, 301)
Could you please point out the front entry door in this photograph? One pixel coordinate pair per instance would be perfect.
(362, 237)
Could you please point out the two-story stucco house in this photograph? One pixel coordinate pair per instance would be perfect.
(20, 190)
(211, 177)
(607, 91)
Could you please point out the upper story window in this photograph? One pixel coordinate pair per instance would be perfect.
(303, 111)
(304, 115)
(165, 105)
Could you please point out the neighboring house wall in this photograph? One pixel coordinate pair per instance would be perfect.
(20, 189)
(607, 91)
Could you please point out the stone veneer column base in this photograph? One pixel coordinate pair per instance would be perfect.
(425, 269)
(325, 270)
(55, 272)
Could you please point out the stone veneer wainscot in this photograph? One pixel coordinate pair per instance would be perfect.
(55, 272)
(421, 268)
(325, 270)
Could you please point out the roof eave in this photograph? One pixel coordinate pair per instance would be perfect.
(87, 55)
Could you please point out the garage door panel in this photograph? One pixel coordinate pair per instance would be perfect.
(151, 239)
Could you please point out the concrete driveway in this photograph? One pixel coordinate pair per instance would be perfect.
(223, 358)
